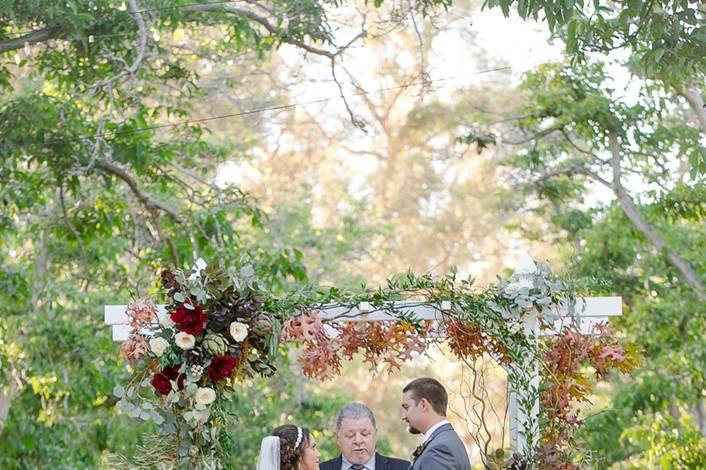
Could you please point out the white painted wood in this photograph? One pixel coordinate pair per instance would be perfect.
(593, 307)
(588, 307)
(367, 312)
(525, 421)
(121, 332)
(115, 314)
(521, 421)
(512, 414)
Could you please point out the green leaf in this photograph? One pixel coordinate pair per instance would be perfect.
(571, 36)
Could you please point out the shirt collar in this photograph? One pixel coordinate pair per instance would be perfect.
(370, 464)
(431, 430)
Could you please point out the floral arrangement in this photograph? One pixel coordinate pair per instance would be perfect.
(189, 358)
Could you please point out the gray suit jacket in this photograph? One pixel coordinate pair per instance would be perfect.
(443, 451)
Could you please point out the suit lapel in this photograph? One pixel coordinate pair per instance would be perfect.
(445, 427)
(439, 430)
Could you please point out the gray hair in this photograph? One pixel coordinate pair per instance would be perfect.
(354, 411)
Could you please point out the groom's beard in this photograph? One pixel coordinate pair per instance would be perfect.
(413, 430)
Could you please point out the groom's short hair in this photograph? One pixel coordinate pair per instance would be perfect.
(354, 410)
(430, 390)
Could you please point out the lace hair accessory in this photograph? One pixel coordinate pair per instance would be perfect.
(300, 435)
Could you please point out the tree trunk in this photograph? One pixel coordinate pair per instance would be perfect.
(700, 416)
(633, 213)
(8, 390)
(696, 103)
(5, 401)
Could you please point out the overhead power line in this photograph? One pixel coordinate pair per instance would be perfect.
(277, 108)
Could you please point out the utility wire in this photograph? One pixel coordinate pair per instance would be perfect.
(275, 108)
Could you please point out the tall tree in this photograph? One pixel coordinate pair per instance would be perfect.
(576, 136)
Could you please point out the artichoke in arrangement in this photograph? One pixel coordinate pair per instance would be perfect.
(261, 325)
(262, 367)
(215, 344)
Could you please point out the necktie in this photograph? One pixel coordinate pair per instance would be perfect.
(357, 467)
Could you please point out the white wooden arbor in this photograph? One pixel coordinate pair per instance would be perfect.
(589, 312)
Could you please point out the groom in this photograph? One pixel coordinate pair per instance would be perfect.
(424, 404)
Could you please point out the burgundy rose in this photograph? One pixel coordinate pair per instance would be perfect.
(191, 321)
(221, 367)
(161, 381)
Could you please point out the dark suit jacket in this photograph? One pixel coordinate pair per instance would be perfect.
(381, 463)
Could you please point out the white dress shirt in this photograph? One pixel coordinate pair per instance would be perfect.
(431, 430)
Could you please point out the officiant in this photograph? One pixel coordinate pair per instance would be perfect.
(356, 436)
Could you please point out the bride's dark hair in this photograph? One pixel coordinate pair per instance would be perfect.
(289, 453)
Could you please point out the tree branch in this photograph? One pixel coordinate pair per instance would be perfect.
(423, 74)
(142, 44)
(39, 35)
(9, 388)
(572, 168)
(57, 31)
(633, 213)
(357, 121)
(536, 136)
(272, 29)
(146, 199)
(696, 103)
(573, 144)
(67, 220)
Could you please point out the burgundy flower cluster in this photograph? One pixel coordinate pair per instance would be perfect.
(190, 319)
(162, 381)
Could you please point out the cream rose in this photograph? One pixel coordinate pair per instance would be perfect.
(185, 340)
(205, 396)
(238, 331)
(158, 346)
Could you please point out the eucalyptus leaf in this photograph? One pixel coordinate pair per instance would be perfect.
(118, 391)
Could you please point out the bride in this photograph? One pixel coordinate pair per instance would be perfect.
(289, 448)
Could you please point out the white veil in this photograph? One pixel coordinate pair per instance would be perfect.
(269, 454)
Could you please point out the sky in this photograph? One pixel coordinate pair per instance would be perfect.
(470, 42)
(453, 64)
